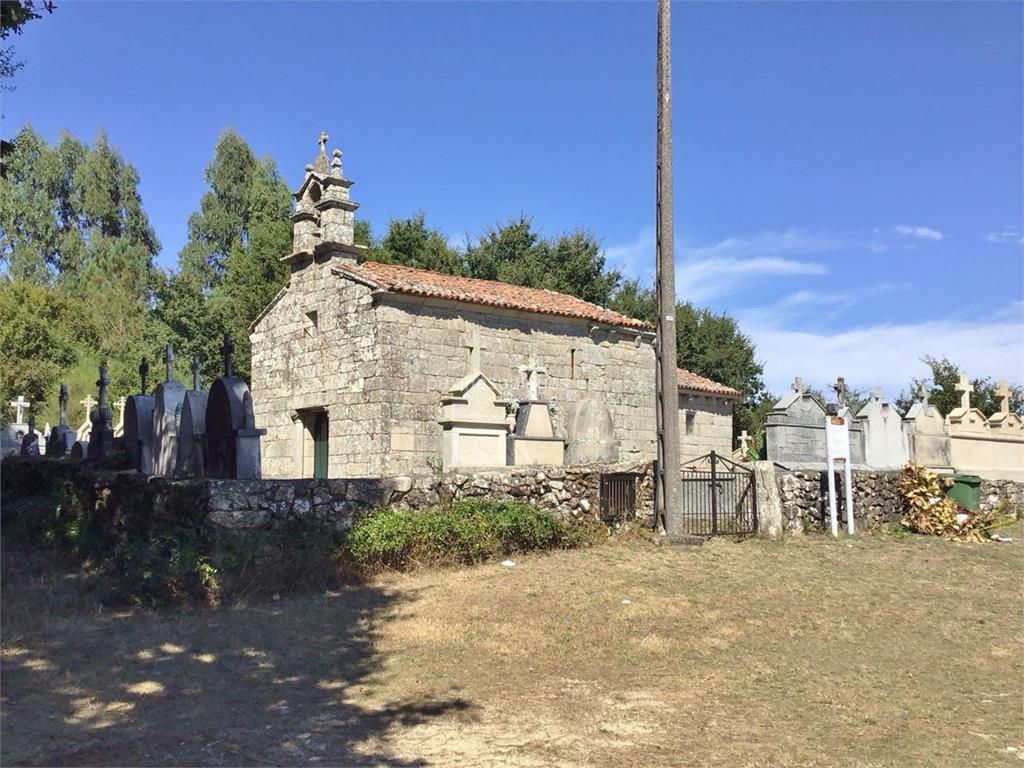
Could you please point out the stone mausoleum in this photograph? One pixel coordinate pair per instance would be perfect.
(367, 369)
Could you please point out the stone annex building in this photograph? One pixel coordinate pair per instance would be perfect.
(365, 369)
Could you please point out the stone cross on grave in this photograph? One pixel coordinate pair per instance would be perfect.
(88, 402)
(964, 386)
(63, 400)
(227, 349)
(168, 363)
(798, 385)
(841, 391)
(475, 346)
(924, 391)
(20, 405)
(1003, 393)
(744, 442)
(102, 383)
(197, 369)
(532, 372)
(143, 372)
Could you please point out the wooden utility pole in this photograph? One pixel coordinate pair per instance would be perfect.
(667, 386)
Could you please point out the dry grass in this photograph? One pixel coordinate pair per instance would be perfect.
(874, 652)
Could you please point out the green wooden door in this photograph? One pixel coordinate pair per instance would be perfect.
(320, 445)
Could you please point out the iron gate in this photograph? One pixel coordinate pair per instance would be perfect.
(618, 496)
(718, 497)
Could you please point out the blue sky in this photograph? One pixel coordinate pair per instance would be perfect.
(848, 176)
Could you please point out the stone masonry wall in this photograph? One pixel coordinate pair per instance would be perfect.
(876, 498)
(334, 366)
(424, 348)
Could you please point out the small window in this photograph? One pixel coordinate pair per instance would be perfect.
(312, 323)
(572, 363)
(691, 418)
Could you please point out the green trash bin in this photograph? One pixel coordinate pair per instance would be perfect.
(965, 490)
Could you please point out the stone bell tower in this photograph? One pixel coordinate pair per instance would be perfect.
(323, 224)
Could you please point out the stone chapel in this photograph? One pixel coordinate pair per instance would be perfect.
(368, 369)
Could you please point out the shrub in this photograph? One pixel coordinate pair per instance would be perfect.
(459, 532)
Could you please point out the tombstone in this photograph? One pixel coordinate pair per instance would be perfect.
(794, 429)
(192, 429)
(101, 437)
(62, 437)
(138, 426)
(30, 442)
(591, 432)
(14, 433)
(82, 433)
(232, 440)
(885, 442)
(533, 440)
(473, 419)
(969, 432)
(80, 450)
(120, 404)
(167, 401)
(927, 437)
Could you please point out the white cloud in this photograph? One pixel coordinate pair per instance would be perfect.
(920, 233)
(821, 306)
(635, 258)
(1007, 235)
(792, 242)
(889, 355)
(699, 280)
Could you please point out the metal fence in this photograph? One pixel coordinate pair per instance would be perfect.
(618, 495)
(718, 497)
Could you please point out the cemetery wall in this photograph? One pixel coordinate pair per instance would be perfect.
(876, 498)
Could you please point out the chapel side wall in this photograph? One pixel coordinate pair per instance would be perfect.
(710, 429)
(334, 367)
(424, 349)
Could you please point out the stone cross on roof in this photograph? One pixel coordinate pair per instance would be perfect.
(964, 386)
(744, 441)
(474, 346)
(876, 393)
(798, 385)
(924, 391)
(168, 363)
(143, 372)
(227, 349)
(841, 391)
(1003, 393)
(20, 404)
(197, 369)
(62, 398)
(322, 141)
(88, 402)
(532, 372)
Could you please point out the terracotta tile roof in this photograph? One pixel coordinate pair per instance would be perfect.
(422, 282)
(693, 382)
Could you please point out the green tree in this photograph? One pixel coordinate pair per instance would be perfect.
(411, 243)
(943, 393)
(231, 267)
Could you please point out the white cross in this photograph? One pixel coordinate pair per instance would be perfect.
(924, 392)
(1003, 393)
(876, 393)
(532, 382)
(964, 385)
(798, 385)
(88, 402)
(744, 441)
(20, 405)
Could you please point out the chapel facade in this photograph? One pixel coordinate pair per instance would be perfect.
(368, 369)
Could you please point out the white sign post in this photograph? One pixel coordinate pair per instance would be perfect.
(837, 448)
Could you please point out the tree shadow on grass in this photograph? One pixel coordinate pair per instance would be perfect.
(289, 682)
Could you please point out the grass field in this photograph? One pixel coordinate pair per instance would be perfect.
(879, 651)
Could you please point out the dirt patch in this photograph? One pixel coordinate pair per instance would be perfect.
(873, 652)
